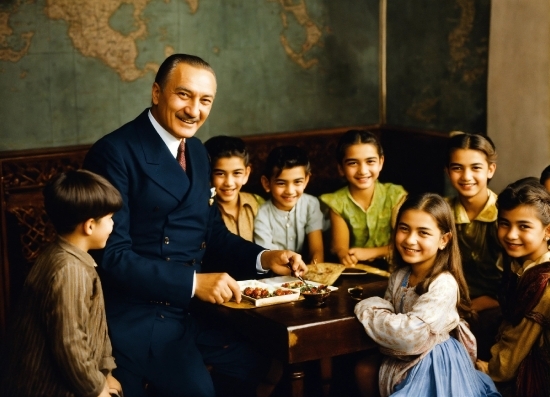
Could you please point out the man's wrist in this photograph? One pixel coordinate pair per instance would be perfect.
(259, 268)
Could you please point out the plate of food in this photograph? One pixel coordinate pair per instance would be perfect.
(324, 273)
(293, 283)
(262, 294)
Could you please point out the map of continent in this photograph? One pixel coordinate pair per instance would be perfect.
(92, 34)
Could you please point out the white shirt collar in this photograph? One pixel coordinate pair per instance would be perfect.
(528, 264)
(170, 140)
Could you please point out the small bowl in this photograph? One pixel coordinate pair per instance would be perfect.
(316, 299)
(356, 292)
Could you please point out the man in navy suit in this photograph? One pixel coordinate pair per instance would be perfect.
(167, 240)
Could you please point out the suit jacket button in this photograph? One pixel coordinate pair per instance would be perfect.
(156, 209)
(203, 245)
(166, 240)
(167, 259)
(193, 262)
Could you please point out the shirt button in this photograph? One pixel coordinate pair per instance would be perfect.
(166, 240)
(162, 316)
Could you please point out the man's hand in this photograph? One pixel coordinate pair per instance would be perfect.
(217, 288)
(277, 261)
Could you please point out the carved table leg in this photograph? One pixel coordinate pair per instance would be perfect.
(296, 377)
(326, 375)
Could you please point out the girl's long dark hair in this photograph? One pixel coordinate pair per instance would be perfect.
(448, 259)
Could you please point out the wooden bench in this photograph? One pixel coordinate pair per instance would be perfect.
(414, 159)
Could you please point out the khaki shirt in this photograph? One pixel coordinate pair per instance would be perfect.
(479, 247)
(244, 224)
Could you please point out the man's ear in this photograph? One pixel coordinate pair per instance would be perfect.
(265, 183)
(155, 93)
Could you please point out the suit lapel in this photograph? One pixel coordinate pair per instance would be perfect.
(159, 163)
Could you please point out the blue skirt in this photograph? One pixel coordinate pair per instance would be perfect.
(446, 371)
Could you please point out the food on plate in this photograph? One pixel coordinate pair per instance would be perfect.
(260, 293)
(293, 285)
(319, 289)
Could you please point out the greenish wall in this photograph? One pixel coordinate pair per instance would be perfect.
(69, 75)
(437, 64)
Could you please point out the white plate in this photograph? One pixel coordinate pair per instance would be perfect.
(272, 300)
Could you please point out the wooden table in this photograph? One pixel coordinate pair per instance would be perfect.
(295, 332)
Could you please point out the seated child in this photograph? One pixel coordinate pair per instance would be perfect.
(284, 221)
(361, 212)
(427, 347)
(520, 358)
(230, 171)
(545, 178)
(471, 163)
(58, 343)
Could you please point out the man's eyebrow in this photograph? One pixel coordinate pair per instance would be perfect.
(181, 88)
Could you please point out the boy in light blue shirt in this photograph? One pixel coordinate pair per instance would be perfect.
(290, 216)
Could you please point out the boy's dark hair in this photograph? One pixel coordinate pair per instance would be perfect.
(357, 137)
(463, 140)
(529, 192)
(285, 157)
(223, 146)
(74, 197)
(545, 175)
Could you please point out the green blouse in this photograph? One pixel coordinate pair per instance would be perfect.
(370, 228)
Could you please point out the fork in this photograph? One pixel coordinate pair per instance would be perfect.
(289, 265)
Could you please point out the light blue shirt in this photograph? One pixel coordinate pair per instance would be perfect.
(278, 229)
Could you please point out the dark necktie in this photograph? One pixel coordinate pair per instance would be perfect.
(181, 155)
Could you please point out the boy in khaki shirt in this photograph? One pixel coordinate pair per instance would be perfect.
(230, 171)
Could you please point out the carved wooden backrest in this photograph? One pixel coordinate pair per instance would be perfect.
(25, 225)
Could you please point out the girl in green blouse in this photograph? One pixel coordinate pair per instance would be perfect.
(361, 212)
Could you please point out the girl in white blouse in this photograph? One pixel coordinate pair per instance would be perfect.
(426, 345)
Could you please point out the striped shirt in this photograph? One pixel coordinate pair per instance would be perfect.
(58, 345)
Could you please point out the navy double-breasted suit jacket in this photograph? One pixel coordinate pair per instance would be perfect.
(166, 231)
